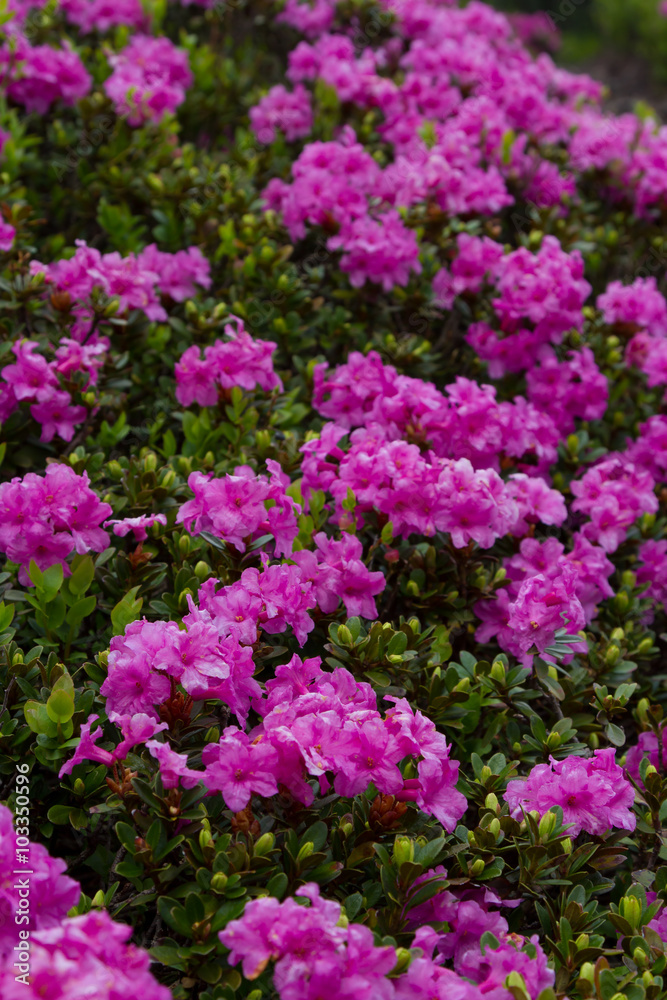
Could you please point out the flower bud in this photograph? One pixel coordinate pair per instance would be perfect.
(643, 709)
(587, 972)
(219, 882)
(345, 636)
(498, 671)
(150, 462)
(566, 845)
(184, 545)
(306, 850)
(547, 825)
(404, 850)
(79, 787)
(491, 801)
(612, 656)
(621, 603)
(115, 470)
(554, 740)
(494, 827)
(98, 899)
(264, 844)
(403, 959)
(202, 570)
(645, 647)
(617, 635)
(582, 942)
(477, 867)
(631, 909)
(168, 479)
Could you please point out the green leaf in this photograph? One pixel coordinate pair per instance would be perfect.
(81, 610)
(38, 719)
(60, 706)
(126, 611)
(83, 573)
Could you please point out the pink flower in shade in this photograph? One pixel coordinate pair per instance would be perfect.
(85, 956)
(173, 766)
(178, 274)
(195, 379)
(136, 729)
(57, 416)
(149, 79)
(132, 686)
(367, 753)
(542, 607)
(425, 980)
(438, 795)
(52, 893)
(239, 769)
(281, 110)
(87, 750)
(514, 954)
(380, 250)
(235, 508)
(7, 235)
(338, 573)
(31, 377)
(44, 75)
(593, 793)
(136, 525)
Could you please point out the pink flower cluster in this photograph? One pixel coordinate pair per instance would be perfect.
(316, 953)
(52, 893)
(332, 185)
(243, 507)
(613, 493)
(150, 77)
(31, 378)
(151, 658)
(135, 280)
(62, 959)
(539, 298)
(313, 953)
(282, 110)
(464, 421)
(47, 517)
(653, 570)
(545, 583)
(338, 573)
(40, 75)
(593, 793)
(240, 361)
(423, 495)
(311, 18)
(274, 599)
(321, 725)
(100, 15)
(494, 125)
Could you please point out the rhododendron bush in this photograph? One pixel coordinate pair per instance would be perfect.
(333, 442)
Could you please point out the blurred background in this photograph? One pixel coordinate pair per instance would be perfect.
(623, 43)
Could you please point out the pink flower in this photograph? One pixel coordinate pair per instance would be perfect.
(593, 793)
(291, 113)
(173, 766)
(149, 79)
(239, 769)
(57, 416)
(542, 607)
(137, 525)
(7, 235)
